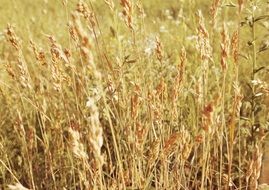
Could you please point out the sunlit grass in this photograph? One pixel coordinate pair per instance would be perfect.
(133, 94)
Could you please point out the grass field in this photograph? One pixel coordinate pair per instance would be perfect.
(134, 94)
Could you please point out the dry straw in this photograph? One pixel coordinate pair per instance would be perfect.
(106, 114)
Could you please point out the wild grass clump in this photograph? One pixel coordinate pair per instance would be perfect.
(134, 94)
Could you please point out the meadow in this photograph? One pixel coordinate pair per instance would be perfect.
(134, 94)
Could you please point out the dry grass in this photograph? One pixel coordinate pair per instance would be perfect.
(134, 94)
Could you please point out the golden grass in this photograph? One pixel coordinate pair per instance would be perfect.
(134, 94)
